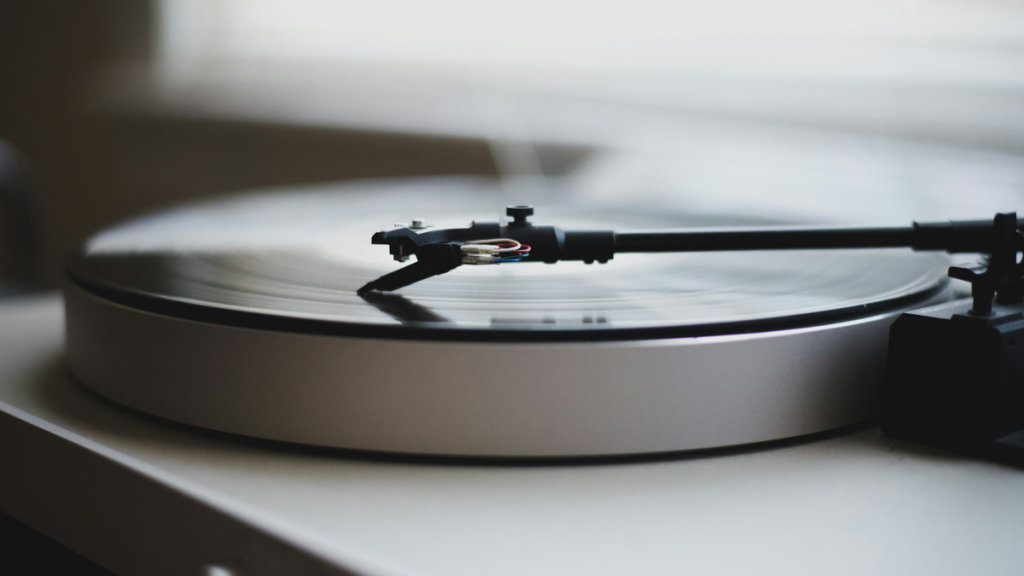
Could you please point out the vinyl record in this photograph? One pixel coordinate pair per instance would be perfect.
(294, 262)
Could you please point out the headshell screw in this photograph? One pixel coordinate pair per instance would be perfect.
(520, 215)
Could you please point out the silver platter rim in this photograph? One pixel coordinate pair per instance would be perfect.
(481, 399)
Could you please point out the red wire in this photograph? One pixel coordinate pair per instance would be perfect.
(523, 248)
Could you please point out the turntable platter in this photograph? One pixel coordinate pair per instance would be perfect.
(241, 315)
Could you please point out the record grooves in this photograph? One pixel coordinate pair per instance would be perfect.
(420, 323)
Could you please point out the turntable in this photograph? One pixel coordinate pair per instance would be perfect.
(246, 316)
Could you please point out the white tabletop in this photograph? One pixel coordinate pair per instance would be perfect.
(142, 496)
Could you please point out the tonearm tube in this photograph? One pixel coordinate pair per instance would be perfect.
(438, 251)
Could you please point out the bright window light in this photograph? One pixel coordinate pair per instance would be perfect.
(960, 41)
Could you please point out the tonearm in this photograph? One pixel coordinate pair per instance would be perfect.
(438, 251)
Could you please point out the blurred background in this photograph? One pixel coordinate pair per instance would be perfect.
(853, 111)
